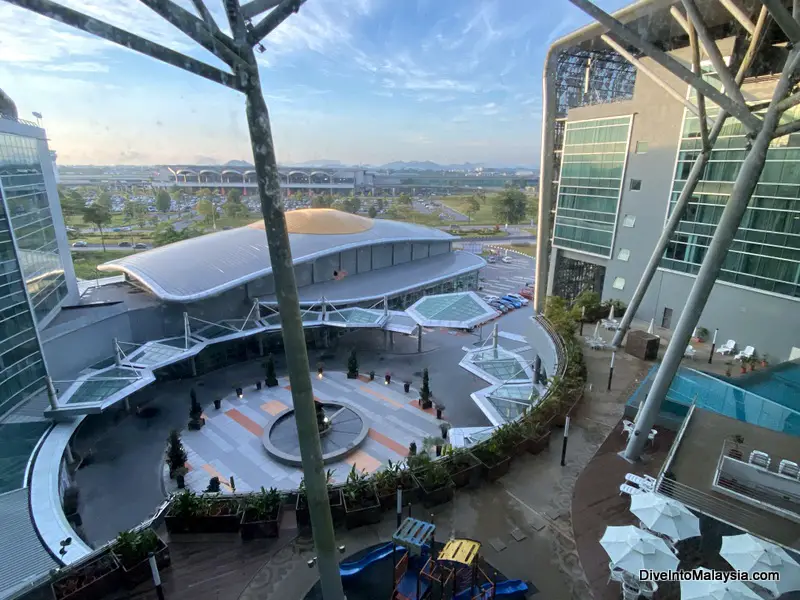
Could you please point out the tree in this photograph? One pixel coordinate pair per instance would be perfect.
(234, 209)
(405, 199)
(379, 204)
(322, 201)
(271, 379)
(425, 390)
(176, 453)
(206, 208)
(104, 200)
(129, 209)
(510, 206)
(352, 365)
(372, 212)
(163, 201)
(351, 205)
(71, 202)
(533, 206)
(235, 195)
(470, 206)
(98, 216)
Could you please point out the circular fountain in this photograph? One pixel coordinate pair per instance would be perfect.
(342, 429)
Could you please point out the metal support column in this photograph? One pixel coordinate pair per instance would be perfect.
(193, 364)
(743, 189)
(419, 338)
(52, 396)
(537, 369)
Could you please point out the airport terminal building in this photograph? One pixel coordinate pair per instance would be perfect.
(619, 150)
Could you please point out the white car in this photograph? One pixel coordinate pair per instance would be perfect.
(522, 299)
(79, 244)
(488, 299)
(507, 259)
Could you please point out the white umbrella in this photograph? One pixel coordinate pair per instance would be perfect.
(746, 552)
(711, 588)
(597, 330)
(652, 325)
(662, 515)
(611, 313)
(632, 550)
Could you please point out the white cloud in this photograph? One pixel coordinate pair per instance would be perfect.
(76, 67)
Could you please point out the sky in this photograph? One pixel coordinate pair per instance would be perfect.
(359, 81)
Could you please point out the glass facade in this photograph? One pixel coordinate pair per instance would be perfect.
(28, 208)
(22, 371)
(592, 169)
(765, 254)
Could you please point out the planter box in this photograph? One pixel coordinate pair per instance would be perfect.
(204, 524)
(496, 470)
(366, 515)
(352, 375)
(521, 447)
(267, 528)
(389, 501)
(469, 475)
(437, 496)
(539, 444)
(140, 572)
(337, 509)
(90, 585)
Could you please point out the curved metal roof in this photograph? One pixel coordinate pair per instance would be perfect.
(209, 265)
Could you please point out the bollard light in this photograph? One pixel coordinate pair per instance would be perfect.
(239, 393)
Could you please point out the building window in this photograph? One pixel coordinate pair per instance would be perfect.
(641, 147)
(629, 221)
(624, 254)
(636, 185)
(619, 283)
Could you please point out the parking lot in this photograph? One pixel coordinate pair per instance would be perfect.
(499, 279)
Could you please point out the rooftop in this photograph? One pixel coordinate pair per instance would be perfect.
(209, 265)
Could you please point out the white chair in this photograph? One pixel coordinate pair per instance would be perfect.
(689, 352)
(630, 590)
(645, 485)
(624, 488)
(789, 468)
(728, 347)
(627, 427)
(759, 459)
(648, 589)
(748, 352)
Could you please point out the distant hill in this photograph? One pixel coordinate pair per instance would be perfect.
(322, 162)
(428, 165)
(237, 163)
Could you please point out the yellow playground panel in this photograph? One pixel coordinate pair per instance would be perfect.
(461, 551)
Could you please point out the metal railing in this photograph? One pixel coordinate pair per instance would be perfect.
(741, 452)
(9, 117)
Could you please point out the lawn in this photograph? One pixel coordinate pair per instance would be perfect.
(233, 222)
(528, 249)
(482, 217)
(86, 262)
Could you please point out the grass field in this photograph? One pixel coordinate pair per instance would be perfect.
(234, 222)
(86, 262)
(528, 249)
(482, 217)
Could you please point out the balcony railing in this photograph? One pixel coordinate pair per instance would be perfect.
(8, 117)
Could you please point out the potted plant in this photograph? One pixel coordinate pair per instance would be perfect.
(213, 486)
(743, 366)
(180, 477)
(425, 392)
(752, 362)
(196, 420)
(132, 550)
(736, 452)
(494, 458)
(95, 579)
(176, 453)
(435, 483)
(352, 365)
(765, 360)
(539, 436)
(406, 386)
(271, 380)
(210, 513)
(372, 375)
(334, 499)
(701, 335)
(261, 516)
(361, 504)
(395, 475)
(728, 365)
(464, 468)
(217, 403)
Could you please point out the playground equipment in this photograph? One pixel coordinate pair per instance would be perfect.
(456, 569)
(417, 539)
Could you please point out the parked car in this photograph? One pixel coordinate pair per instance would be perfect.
(491, 259)
(79, 244)
(514, 301)
(124, 244)
(507, 259)
(526, 293)
(508, 303)
(140, 246)
(496, 304)
(490, 299)
(522, 299)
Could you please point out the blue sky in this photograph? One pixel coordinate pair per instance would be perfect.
(361, 81)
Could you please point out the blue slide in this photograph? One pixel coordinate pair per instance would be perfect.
(355, 567)
(509, 587)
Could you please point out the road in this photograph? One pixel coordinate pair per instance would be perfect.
(96, 247)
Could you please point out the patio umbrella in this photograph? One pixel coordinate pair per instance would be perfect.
(716, 589)
(651, 327)
(632, 550)
(662, 515)
(597, 330)
(746, 552)
(611, 313)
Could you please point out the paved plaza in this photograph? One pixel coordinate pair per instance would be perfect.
(230, 443)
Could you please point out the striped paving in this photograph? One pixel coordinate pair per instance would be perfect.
(230, 443)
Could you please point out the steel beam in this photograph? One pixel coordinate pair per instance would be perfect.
(786, 129)
(256, 7)
(789, 102)
(784, 19)
(750, 121)
(687, 191)
(710, 45)
(205, 14)
(655, 78)
(726, 229)
(701, 101)
(277, 16)
(738, 14)
(73, 18)
(680, 18)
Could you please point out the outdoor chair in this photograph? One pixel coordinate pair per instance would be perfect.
(646, 485)
(689, 352)
(728, 347)
(630, 591)
(648, 588)
(789, 468)
(759, 459)
(625, 488)
(627, 427)
(748, 352)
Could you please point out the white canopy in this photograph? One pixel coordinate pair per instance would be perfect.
(746, 552)
(715, 589)
(632, 550)
(665, 516)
